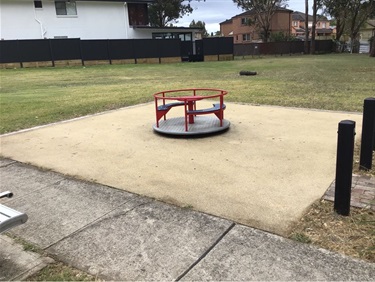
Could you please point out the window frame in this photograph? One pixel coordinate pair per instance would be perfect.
(246, 37)
(72, 4)
(38, 4)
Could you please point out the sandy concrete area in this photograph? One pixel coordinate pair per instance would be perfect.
(264, 172)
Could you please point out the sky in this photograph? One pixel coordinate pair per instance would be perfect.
(213, 12)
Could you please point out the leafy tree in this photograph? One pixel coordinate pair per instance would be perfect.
(201, 25)
(162, 12)
(317, 4)
(281, 37)
(350, 15)
(359, 12)
(263, 12)
(338, 9)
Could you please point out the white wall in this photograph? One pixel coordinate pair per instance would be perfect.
(17, 20)
(94, 20)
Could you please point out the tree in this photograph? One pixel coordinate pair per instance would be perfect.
(338, 9)
(306, 27)
(163, 12)
(201, 25)
(317, 4)
(359, 12)
(263, 12)
(350, 15)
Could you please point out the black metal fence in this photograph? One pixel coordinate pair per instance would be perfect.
(280, 48)
(53, 50)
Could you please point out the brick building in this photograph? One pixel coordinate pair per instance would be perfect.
(323, 29)
(238, 26)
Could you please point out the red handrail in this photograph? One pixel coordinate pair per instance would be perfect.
(194, 90)
(163, 95)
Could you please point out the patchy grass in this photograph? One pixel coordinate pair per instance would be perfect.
(31, 97)
(352, 235)
(27, 246)
(61, 272)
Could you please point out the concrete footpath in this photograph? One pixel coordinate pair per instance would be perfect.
(116, 235)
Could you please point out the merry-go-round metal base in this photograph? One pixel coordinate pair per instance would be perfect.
(202, 125)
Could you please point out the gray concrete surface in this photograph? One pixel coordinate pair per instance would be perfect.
(264, 172)
(17, 264)
(253, 255)
(116, 235)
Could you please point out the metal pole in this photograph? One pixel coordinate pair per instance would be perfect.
(368, 127)
(344, 166)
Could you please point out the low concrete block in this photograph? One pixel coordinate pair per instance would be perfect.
(123, 62)
(37, 64)
(96, 62)
(66, 63)
(170, 60)
(147, 61)
(10, 65)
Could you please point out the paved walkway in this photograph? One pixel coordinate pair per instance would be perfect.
(362, 194)
(116, 235)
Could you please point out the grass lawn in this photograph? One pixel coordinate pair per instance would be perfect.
(31, 97)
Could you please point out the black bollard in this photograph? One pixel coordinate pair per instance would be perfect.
(344, 166)
(368, 128)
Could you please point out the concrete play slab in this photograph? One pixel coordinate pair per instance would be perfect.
(264, 172)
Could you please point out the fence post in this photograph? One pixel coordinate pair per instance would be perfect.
(344, 166)
(368, 128)
(51, 52)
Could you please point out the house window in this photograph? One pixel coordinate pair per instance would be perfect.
(187, 36)
(38, 5)
(323, 25)
(66, 8)
(246, 37)
(138, 14)
(295, 23)
(244, 21)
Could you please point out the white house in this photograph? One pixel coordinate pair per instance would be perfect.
(85, 19)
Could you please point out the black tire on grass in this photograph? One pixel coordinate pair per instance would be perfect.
(248, 73)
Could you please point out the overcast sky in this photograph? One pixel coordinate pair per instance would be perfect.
(213, 12)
